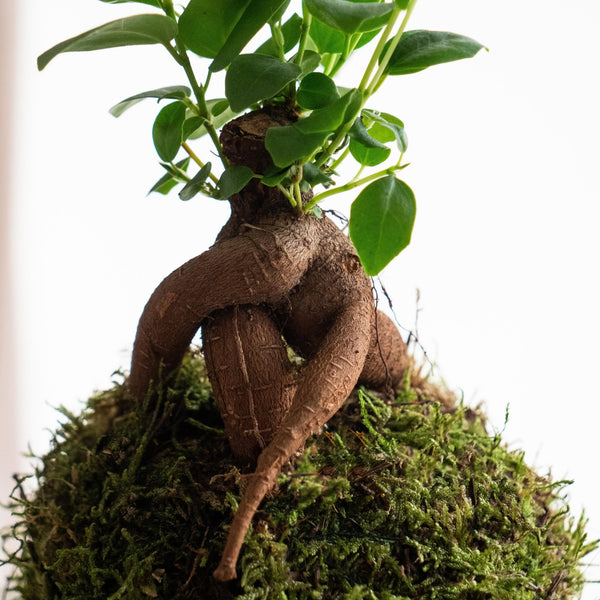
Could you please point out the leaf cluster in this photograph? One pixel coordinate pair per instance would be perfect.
(295, 67)
(404, 500)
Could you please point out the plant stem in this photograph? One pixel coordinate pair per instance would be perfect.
(287, 194)
(277, 37)
(306, 21)
(380, 74)
(195, 158)
(364, 84)
(368, 84)
(168, 8)
(180, 55)
(336, 163)
(204, 113)
(350, 185)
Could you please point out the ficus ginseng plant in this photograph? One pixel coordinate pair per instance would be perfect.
(280, 274)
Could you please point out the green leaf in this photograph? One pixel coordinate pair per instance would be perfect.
(233, 180)
(350, 17)
(299, 141)
(331, 41)
(205, 25)
(254, 77)
(326, 39)
(167, 132)
(196, 184)
(155, 3)
(360, 133)
(274, 176)
(420, 49)
(256, 14)
(392, 124)
(130, 31)
(368, 157)
(291, 31)
(313, 175)
(171, 178)
(288, 144)
(381, 222)
(333, 116)
(367, 149)
(193, 128)
(174, 91)
(316, 90)
(310, 61)
(403, 4)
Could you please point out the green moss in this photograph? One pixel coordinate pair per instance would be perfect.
(405, 500)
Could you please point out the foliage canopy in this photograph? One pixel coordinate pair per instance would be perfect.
(307, 44)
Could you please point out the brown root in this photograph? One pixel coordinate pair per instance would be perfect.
(252, 378)
(272, 273)
(387, 358)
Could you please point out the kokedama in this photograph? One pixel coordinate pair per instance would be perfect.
(281, 276)
(272, 273)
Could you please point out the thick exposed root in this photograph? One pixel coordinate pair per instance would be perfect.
(271, 273)
(326, 382)
(258, 266)
(252, 377)
(387, 358)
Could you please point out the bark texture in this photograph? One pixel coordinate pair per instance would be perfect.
(273, 278)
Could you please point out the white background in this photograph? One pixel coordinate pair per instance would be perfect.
(504, 163)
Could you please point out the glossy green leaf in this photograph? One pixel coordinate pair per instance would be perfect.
(274, 175)
(130, 31)
(314, 176)
(205, 25)
(278, 14)
(171, 178)
(196, 184)
(368, 157)
(173, 92)
(288, 144)
(360, 133)
(331, 41)
(291, 31)
(310, 61)
(316, 90)
(390, 122)
(331, 117)
(255, 16)
(233, 180)
(381, 222)
(254, 77)
(365, 147)
(420, 49)
(403, 4)
(155, 3)
(326, 39)
(167, 132)
(164, 185)
(350, 17)
(193, 127)
(299, 141)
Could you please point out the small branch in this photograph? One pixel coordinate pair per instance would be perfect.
(351, 185)
(306, 21)
(380, 74)
(287, 194)
(364, 84)
(195, 158)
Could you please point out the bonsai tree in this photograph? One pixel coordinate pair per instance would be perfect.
(281, 276)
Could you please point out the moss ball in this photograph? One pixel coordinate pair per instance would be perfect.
(409, 498)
